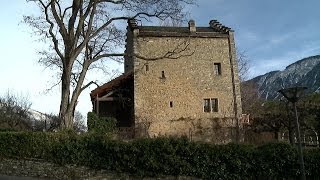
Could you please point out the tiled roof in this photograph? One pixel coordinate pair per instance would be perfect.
(111, 85)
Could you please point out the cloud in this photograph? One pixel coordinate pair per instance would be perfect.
(264, 65)
(250, 36)
(278, 39)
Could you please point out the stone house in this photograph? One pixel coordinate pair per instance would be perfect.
(178, 81)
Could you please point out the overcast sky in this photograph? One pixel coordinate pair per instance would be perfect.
(273, 33)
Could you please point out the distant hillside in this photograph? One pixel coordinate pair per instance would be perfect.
(305, 72)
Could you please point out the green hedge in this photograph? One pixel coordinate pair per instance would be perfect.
(162, 156)
(100, 125)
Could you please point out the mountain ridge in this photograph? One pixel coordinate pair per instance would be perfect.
(304, 72)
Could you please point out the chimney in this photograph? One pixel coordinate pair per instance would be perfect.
(132, 23)
(192, 26)
(133, 27)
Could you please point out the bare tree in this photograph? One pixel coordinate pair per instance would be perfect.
(243, 65)
(14, 111)
(249, 96)
(86, 32)
(249, 90)
(78, 124)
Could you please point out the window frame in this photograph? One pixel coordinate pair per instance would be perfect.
(206, 105)
(217, 70)
(210, 105)
(214, 105)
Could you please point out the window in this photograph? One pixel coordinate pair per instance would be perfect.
(214, 103)
(206, 105)
(210, 105)
(162, 75)
(147, 67)
(217, 68)
(171, 104)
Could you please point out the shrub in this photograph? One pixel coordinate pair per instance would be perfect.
(161, 156)
(312, 163)
(277, 160)
(100, 125)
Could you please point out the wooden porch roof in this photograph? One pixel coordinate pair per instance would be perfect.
(111, 85)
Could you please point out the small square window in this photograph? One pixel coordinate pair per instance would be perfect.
(210, 105)
(217, 68)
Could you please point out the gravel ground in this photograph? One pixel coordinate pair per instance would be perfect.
(14, 169)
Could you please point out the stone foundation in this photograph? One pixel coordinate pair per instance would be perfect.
(212, 130)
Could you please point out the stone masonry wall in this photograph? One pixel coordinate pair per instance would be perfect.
(186, 83)
(238, 104)
(128, 63)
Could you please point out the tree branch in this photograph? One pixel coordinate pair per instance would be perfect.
(59, 21)
(89, 28)
(89, 84)
(120, 18)
(111, 1)
(54, 39)
(54, 85)
(76, 92)
(105, 56)
(65, 11)
(76, 6)
(174, 54)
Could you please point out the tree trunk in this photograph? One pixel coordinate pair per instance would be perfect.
(66, 109)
